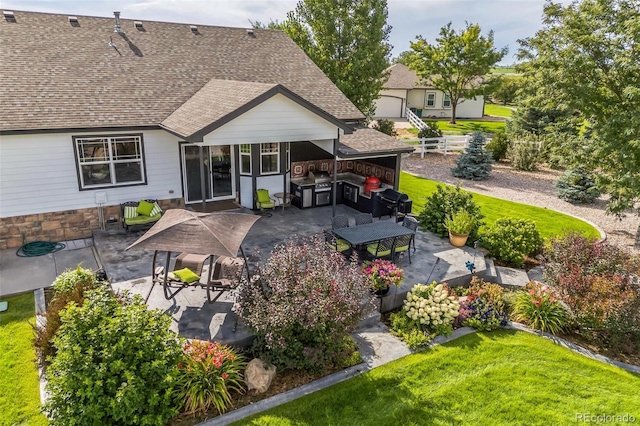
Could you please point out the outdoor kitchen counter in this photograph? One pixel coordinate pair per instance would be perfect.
(349, 178)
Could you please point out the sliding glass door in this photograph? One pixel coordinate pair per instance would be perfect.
(218, 169)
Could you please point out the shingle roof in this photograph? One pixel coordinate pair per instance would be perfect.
(365, 140)
(58, 76)
(401, 77)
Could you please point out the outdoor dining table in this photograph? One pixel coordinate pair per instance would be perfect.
(371, 232)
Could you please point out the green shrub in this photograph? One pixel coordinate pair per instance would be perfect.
(577, 186)
(67, 280)
(303, 303)
(511, 240)
(445, 202)
(430, 131)
(460, 223)
(498, 146)
(524, 155)
(117, 363)
(539, 308)
(208, 374)
(385, 126)
(475, 162)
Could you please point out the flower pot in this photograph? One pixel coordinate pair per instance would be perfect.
(382, 292)
(458, 240)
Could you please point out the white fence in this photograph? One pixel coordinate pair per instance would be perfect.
(442, 145)
(415, 120)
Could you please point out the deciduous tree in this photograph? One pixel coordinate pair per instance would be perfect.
(457, 63)
(348, 40)
(588, 55)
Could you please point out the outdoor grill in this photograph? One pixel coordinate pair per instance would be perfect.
(395, 201)
(321, 179)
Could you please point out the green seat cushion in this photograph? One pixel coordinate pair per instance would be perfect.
(144, 208)
(267, 205)
(402, 248)
(371, 248)
(186, 275)
(141, 220)
(339, 245)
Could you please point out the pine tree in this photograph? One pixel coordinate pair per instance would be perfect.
(475, 162)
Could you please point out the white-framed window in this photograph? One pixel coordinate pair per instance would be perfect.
(269, 158)
(446, 101)
(105, 161)
(430, 100)
(245, 159)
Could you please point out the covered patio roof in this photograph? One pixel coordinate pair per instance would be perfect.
(365, 141)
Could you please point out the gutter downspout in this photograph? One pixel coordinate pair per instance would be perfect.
(334, 183)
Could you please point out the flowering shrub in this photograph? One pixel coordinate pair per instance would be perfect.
(116, 364)
(511, 239)
(484, 308)
(539, 308)
(66, 281)
(383, 274)
(206, 376)
(428, 310)
(303, 302)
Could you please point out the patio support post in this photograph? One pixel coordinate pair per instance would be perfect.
(203, 188)
(335, 173)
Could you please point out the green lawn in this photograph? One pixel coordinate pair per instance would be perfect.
(503, 70)
(497, 110)
(498, 378)
(19, 386)
(549, 223)
(462, 127)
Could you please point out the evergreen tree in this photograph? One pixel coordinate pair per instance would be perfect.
(475, 162)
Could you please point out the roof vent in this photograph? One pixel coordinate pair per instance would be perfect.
(138, 25)
(117, 28)
(9, 16)
(73, 20)
(250, 32)
(194, 29)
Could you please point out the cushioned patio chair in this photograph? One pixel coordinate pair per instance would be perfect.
(337, 244)
(186, 272)
(401, 245)
(142, 214)
(224, 275)
(364, 218)
(411, 223)
(381, 249)
(264, 201)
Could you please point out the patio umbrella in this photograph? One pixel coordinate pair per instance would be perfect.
(219, 233)
(182, 230)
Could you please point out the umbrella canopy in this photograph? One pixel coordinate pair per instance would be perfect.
(179, 230)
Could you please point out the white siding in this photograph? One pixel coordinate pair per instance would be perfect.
(471, 108)
(246, 192)
(415, 98)
(38, 173)
(278, 119)
(468, 108)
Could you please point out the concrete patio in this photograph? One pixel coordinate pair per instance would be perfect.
(434, 259)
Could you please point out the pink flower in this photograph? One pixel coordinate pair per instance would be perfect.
(224, 376)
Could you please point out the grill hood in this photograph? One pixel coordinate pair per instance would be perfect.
(319, 177)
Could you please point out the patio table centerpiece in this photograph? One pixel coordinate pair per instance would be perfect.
(382, 275)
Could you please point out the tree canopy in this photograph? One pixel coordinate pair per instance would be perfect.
(348, 40)
(457, 63)
(587, 56)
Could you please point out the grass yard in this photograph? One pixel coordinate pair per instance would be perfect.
(549, 223)
(499, 378)
(462, 127)
(503, 70)
(19, 386)
(497, 110)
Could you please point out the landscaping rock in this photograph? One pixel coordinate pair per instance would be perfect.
(257, 376)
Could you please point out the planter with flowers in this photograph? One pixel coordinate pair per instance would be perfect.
(382, 275)
(460, 226)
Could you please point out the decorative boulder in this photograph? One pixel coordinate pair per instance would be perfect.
(257, 376)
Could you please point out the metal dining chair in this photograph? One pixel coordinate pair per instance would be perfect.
(364, 218)
(411, 223)
(339, 221)
(401, 245)
(381, 248)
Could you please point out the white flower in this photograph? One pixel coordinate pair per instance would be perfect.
(438, 287)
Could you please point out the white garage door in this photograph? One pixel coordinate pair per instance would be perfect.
(388, 107)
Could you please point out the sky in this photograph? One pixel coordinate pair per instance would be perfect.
(510, 20)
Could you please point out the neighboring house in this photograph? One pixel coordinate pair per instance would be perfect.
(405, 90)
(99, 111)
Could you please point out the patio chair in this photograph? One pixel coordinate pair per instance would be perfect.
(411, 223)
(264, 201)
(401, 245)
(337, 244)
(364, 218)
(340, 221)
(380, 249)
(187, 271)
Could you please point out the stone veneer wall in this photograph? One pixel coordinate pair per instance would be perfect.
(61, 226)
(359, 167)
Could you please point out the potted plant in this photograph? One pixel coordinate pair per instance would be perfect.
(382, 275)
(460, 226)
